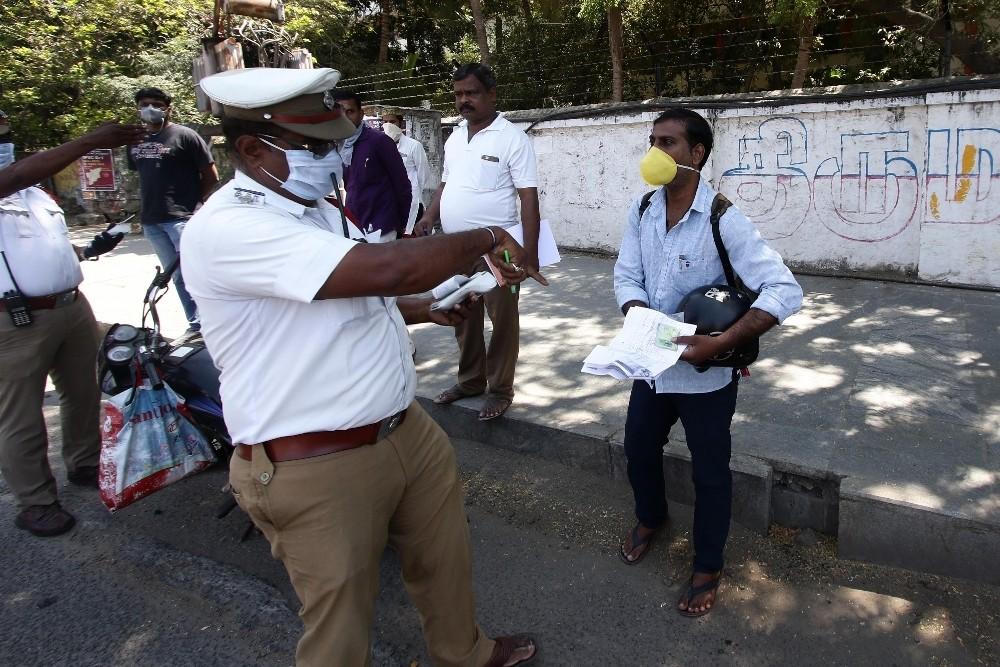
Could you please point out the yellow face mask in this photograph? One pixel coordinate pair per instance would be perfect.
(658, 168)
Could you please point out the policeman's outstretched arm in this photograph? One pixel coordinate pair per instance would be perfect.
(35, 168)
(412, 266)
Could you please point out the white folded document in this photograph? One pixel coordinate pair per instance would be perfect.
(548, 253)
(643, 349)
(454, 291)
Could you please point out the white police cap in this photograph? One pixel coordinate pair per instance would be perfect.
(295, 99)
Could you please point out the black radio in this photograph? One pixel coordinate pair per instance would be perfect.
(17, 307)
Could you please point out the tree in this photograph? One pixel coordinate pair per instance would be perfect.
(484, 46)
(801, 16)
(617, 52)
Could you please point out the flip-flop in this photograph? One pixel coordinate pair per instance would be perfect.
(694, 591)
(496, 400)
(505, 647)
(636, 543)
(452, 394)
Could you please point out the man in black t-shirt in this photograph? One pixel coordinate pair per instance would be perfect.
(176, 174)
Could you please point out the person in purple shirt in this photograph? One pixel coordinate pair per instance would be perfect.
(378, 189)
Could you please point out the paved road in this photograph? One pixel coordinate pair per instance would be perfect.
(165, 583)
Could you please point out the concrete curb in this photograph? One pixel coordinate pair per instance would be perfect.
(870, 528)
(752, 478)
(876, 529)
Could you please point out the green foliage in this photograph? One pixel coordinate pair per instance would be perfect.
(69, 64)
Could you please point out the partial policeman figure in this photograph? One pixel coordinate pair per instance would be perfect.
(668, 251)
(307, 324)
(46, 327)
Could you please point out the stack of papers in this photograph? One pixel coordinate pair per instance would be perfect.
(642, 350)
(455, 290)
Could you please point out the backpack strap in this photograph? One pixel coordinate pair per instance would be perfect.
(719, 207)
(644, 204)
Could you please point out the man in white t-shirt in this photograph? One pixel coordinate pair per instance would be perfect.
(307, 323)
(418, 169)
(47, 328)
(489, 173)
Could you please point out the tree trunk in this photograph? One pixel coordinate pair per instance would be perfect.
(386, 32)
(498, 32)
(484, 45)
(617, 53)
(805, 48)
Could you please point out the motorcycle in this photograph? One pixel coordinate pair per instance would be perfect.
(129, 352)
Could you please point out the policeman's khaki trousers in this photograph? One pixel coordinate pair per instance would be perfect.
(329, 518)
(479, 365)
(63, 342)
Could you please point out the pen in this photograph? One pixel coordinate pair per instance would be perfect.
(506, 258)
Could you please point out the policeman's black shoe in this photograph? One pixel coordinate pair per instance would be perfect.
(45, 520)
(83, 476)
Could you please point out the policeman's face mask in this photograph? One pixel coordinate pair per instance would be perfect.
(6, 155)
(659, 168)
(313, 170)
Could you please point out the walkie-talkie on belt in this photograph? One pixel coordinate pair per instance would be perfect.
(14, 302)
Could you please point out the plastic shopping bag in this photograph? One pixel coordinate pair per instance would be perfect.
(147, 442)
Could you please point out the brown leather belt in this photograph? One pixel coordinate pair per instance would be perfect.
(47, 302)
(308, 445)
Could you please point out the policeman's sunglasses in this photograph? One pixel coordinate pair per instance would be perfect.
(318, 148)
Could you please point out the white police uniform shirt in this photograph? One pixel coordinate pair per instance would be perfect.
(418, 171)
(484, 174)
(254, 260)
(33, 236)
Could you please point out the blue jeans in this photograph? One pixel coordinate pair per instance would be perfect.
(165, 237)
(706, 419)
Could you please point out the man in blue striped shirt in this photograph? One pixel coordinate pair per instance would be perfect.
(667, 251)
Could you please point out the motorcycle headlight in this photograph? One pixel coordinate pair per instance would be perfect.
(120, 354)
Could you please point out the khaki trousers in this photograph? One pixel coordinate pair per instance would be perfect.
(479, 366)
(329, 518)
(62, 342)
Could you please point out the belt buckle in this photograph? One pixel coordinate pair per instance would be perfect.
(389, 425)
(65, 298)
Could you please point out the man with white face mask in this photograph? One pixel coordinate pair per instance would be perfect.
(46, 328)
(414, 156)
(336, 460)
(176, 174)
(668, 251)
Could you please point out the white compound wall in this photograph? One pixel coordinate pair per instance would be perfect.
(902, 186)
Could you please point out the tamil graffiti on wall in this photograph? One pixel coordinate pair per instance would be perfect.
(854, 190)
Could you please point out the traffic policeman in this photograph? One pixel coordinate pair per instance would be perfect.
(307, 323)
(46, 328)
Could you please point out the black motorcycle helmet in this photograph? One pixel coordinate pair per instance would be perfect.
(714, 308)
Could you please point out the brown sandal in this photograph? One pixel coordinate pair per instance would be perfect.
(452, 394)
(504, 648)
(491, 405)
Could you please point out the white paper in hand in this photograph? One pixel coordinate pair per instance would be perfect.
(548, 253)
(643, 349)
(479, 283)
